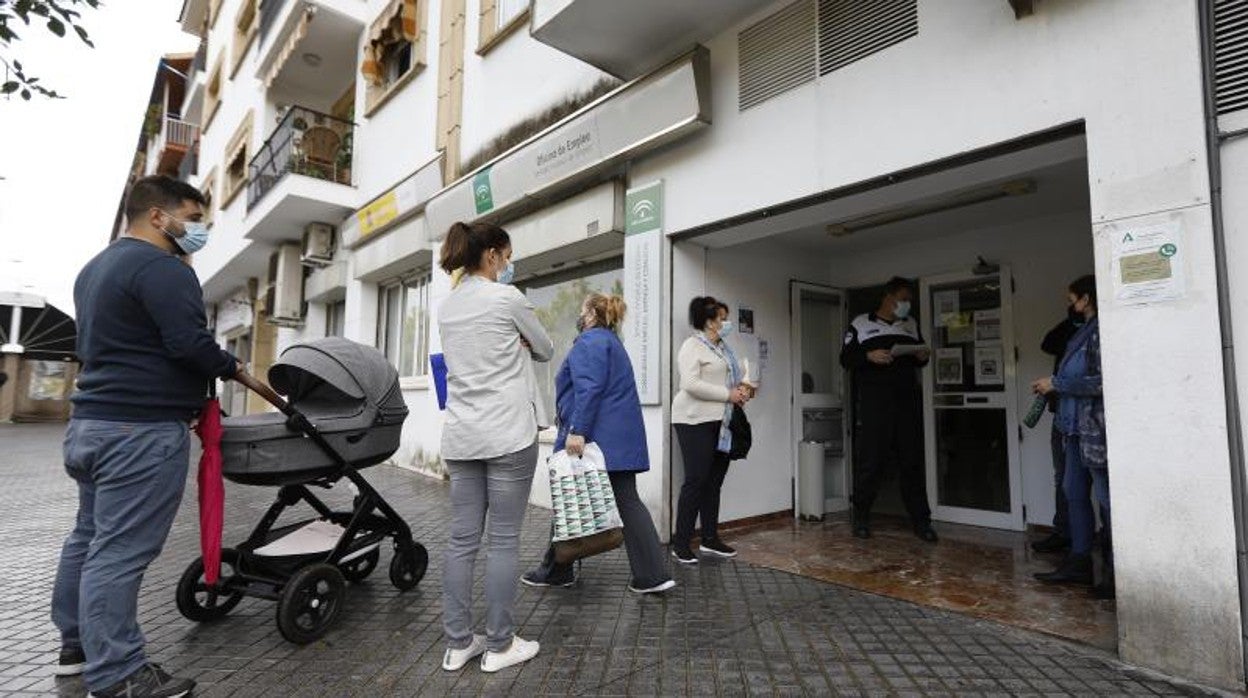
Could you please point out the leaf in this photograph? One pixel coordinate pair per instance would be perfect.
(17, 65)
(26, 95)
(9, 87)
(56, 26)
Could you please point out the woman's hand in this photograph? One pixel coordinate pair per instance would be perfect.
(575, 445)
(1044, 386)
(739, 396)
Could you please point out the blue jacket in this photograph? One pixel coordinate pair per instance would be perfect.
(596, 397)
(1078, 386)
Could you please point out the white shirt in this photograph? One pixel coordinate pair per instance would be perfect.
(489, 404)
(703, 384)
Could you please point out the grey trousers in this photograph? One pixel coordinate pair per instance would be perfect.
(499, 487)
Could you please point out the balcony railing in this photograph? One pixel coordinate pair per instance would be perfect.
(306, 142)
(269, 10)
(179, 134)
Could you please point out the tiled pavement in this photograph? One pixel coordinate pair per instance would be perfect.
(728, 629)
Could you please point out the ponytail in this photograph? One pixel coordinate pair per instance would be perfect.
(608, 310)
(466, 243)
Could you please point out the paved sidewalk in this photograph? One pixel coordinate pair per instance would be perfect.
(728, 629)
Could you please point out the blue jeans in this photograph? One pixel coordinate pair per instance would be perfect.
(130, 479)
(1061, 513)
(1081, 481)
(499, 487)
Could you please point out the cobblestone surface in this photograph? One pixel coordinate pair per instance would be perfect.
(728, 629)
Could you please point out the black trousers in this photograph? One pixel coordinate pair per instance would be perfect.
(705, 470)
(891, 432)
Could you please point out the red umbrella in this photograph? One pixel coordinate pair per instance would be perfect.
(211, 489)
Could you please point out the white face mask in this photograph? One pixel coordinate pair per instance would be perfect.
(902, 309)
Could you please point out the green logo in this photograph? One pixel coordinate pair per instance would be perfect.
(644, 209)
(1168, 250)
(482, 194)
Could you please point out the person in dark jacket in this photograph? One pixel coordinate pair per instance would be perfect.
(147, 361)
(1054, 344)
(596, 401)
(1081, 419)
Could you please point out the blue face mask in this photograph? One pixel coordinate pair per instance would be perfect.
(727, 328)
(507, 275)
(194, 236)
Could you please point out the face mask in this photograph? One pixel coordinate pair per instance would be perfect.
(507, 275)
(194, 236)
(727, 328)
(902, 309)
(1076, 318)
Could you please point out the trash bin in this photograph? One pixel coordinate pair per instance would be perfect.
(810, 461)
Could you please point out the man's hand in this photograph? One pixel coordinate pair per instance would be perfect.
(923, 355)
(575, 445)
(880, 357)
(1044, 386)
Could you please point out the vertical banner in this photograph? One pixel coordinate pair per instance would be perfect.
(643, 285)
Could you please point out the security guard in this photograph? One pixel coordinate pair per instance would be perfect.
(889, 407)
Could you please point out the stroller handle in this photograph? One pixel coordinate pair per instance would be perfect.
(258, 387)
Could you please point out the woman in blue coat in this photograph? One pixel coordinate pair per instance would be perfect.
(596, 401)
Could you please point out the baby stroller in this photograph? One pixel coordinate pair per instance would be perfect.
(343, 412)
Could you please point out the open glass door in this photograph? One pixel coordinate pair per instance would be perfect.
(973, 470)
(819, 414)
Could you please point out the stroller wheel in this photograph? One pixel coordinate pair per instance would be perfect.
(310, 602)
(408, 566)
(357, 570)
(200, 603)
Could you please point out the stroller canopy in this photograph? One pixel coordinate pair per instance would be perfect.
(318, 369)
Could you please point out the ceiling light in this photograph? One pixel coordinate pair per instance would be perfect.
(312, 59)
(1018, 187)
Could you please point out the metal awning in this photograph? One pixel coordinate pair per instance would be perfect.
(44, 333)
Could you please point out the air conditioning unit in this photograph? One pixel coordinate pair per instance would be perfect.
(283, 301)
(318, 245)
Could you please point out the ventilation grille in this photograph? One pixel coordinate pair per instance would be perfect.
(777, 54)
(850, 30)
(1230, 45)
(791, 47)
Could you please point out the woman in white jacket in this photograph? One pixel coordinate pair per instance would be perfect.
(711, 382)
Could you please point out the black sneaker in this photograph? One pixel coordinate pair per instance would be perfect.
(684, 556)
(926, 533)
(149, 682)
(1053, 544)
(72, 662)
(718, 548)
(565, 577)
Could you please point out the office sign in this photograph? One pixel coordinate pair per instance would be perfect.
(643, 286)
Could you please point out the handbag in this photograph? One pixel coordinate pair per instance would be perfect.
(742, 434)
(587, 521)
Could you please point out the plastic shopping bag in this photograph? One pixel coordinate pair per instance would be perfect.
(587, 521)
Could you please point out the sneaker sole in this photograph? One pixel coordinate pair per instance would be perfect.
(510, 663)
(546, 585)
(461, 665)
(64, 670)
(716, 553)
(183, 694)
(683, 561)
(669, 584)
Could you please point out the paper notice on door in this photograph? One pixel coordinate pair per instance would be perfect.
(949, 366)
(947, 307)
(988, 325)
(1147, 266)
(989, 365)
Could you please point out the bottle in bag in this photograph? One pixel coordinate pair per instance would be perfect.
(1036, 412)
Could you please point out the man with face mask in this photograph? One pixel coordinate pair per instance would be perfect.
(147, 360)
(889, 407)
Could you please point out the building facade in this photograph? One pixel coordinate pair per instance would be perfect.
(786, 157)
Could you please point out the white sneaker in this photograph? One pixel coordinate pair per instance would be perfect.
(669, 584)
(458, 659)
(519, 652)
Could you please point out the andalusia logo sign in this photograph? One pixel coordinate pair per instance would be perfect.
(482, 194)
(645, 209)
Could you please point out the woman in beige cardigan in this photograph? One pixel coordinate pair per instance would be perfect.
(711, 382)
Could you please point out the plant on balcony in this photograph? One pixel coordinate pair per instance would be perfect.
(345, 154)
(151, 122)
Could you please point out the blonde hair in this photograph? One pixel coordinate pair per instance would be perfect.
(608, 310)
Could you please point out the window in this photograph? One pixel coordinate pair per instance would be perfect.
(246, 25)
(208, 186)
(212, 94)
(499, 18)
(558, 300)
(394, 50)
(214, 11)
(403, 324)
(237, 154)
(335, 319)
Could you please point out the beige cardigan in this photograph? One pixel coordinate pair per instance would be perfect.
(703, 384)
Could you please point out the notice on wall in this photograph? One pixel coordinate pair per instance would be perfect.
(745, 320)
(949, 366)
(948, 307)
(643, 285)
(1148, 262)
(988, 325)
(989, 365)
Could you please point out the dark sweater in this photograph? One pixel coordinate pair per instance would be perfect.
(143, 338)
